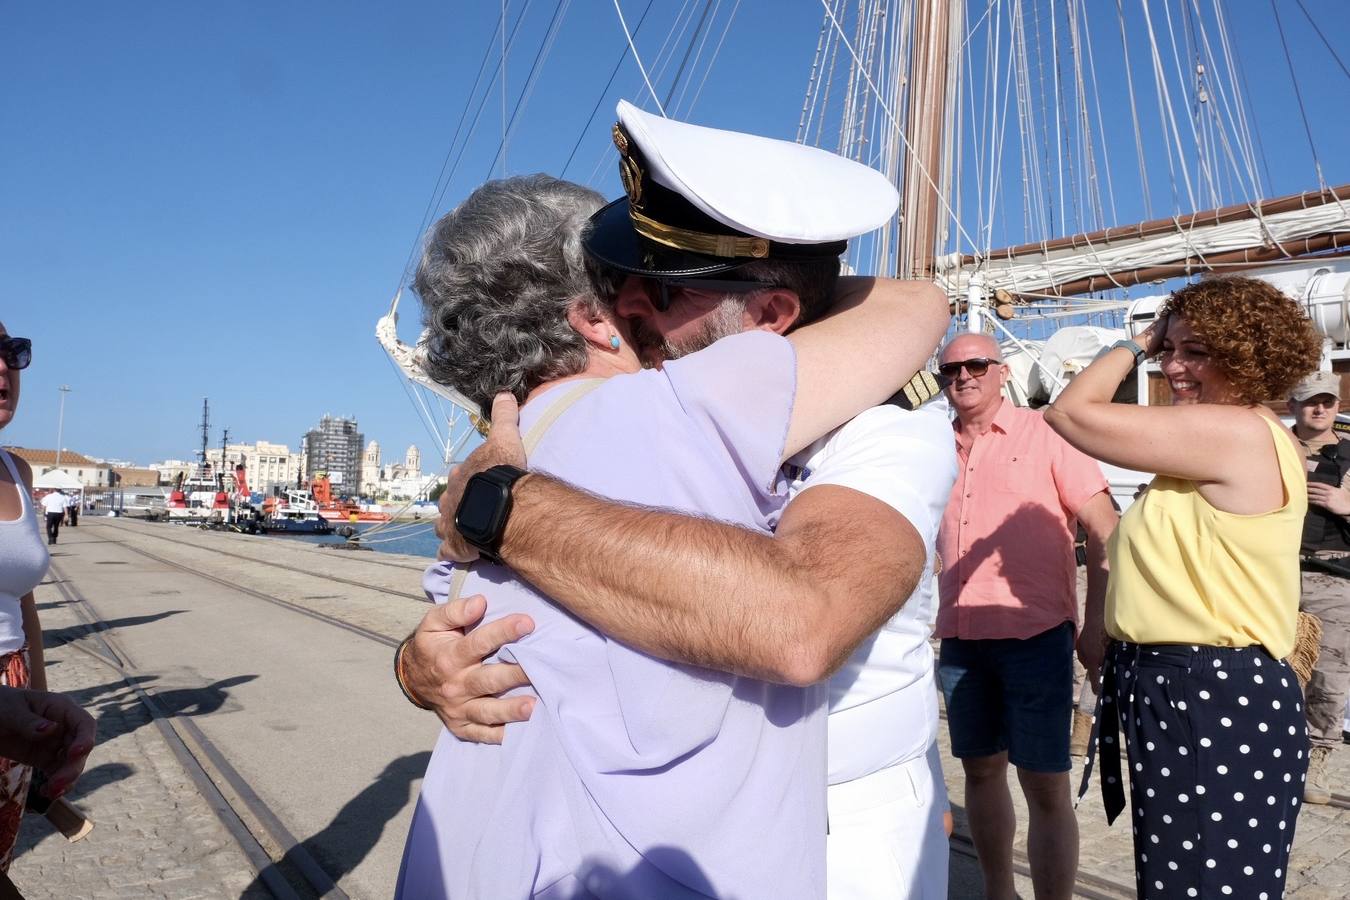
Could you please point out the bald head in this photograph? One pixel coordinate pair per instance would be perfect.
(967, 346)
(976, 390)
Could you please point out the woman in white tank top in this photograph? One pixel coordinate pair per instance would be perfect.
(23, 562)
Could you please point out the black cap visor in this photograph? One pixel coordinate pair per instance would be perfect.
(612, 241)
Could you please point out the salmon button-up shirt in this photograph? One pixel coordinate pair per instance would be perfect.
(1006, 540)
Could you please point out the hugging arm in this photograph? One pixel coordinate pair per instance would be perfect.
(881, 331)
(788, 607)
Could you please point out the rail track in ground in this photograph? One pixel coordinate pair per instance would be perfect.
(280, 861)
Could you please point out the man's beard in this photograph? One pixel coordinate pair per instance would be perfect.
(725, 320)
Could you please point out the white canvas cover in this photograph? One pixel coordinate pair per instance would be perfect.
(57, 478)
(1069, 351)
(1024, 385)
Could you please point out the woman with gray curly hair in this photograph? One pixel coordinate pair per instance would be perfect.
(505, 295)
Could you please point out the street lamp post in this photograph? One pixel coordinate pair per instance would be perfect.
(61, 421)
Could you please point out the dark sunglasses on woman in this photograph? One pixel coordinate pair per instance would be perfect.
(976, 366)
(16, 352)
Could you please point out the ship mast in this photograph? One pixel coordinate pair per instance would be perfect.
(206, 432)
(936, 24)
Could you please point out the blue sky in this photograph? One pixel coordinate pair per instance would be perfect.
(219, 201)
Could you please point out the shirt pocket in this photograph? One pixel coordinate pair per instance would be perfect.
(1012, 475)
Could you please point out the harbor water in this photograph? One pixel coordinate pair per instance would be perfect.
(412, 537)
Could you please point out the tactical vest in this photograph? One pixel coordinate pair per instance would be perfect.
(1323, 529)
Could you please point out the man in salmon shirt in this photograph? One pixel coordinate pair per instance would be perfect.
(1008, 607)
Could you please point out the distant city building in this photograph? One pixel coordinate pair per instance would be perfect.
(266, 465)
(89, 472)
(336, 447)
(370, 466)
(394, 482)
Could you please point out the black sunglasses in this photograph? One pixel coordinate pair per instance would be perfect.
(16, 352)
(976, 367)
(702, 286)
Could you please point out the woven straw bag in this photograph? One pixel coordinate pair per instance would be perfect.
(1307, 641)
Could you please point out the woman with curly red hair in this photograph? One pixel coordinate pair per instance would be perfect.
(1203, 598)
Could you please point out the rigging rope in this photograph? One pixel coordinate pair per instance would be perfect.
(431, 200)
(1327, 43)
(638, 59)
(908, 149)
(603, 93)
(1298, 94)
(684, 61)
(545, 46)
(717, 51)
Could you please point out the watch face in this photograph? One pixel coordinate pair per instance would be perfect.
(479, 509)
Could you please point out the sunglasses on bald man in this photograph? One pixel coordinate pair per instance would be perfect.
(976, 366)
(17, 352)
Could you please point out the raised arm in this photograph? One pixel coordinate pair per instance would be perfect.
(1204, 442)
(880, 333)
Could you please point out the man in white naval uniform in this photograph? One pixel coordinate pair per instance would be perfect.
(886, 795)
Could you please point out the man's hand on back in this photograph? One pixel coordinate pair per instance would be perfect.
(502, 447)
(443, 667)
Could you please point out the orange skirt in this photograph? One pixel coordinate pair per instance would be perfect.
(13, 776)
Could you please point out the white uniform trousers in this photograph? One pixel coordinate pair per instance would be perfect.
(886, 837)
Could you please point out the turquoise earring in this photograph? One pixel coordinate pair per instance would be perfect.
(614, 342)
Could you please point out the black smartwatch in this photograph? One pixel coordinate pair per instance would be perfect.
(485, 507)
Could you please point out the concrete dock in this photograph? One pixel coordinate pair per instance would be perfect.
(253, 743)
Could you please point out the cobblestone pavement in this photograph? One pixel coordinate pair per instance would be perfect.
(154, 835)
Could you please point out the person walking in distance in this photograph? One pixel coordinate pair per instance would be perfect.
(1325, 560)
(72, 510)
(1008, 606)
(54, 505)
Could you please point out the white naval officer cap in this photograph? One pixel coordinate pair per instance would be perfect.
(702, 201)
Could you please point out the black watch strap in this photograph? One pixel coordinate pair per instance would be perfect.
(486, 535)
(1134, 348)
(503, 475)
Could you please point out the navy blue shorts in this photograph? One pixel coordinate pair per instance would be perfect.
(1011, 694)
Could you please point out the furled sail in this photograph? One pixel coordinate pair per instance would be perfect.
(1242, 235)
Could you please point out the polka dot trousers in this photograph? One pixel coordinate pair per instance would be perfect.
(1216, 752)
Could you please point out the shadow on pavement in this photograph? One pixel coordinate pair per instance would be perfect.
(341, 845)
(55, 637)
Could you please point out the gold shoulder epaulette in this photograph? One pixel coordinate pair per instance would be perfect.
(919, 390)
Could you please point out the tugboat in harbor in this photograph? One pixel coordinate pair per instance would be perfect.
(343, 510)
(199, 498)
(295, 512)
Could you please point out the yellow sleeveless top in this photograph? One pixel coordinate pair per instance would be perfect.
(1183, 572)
